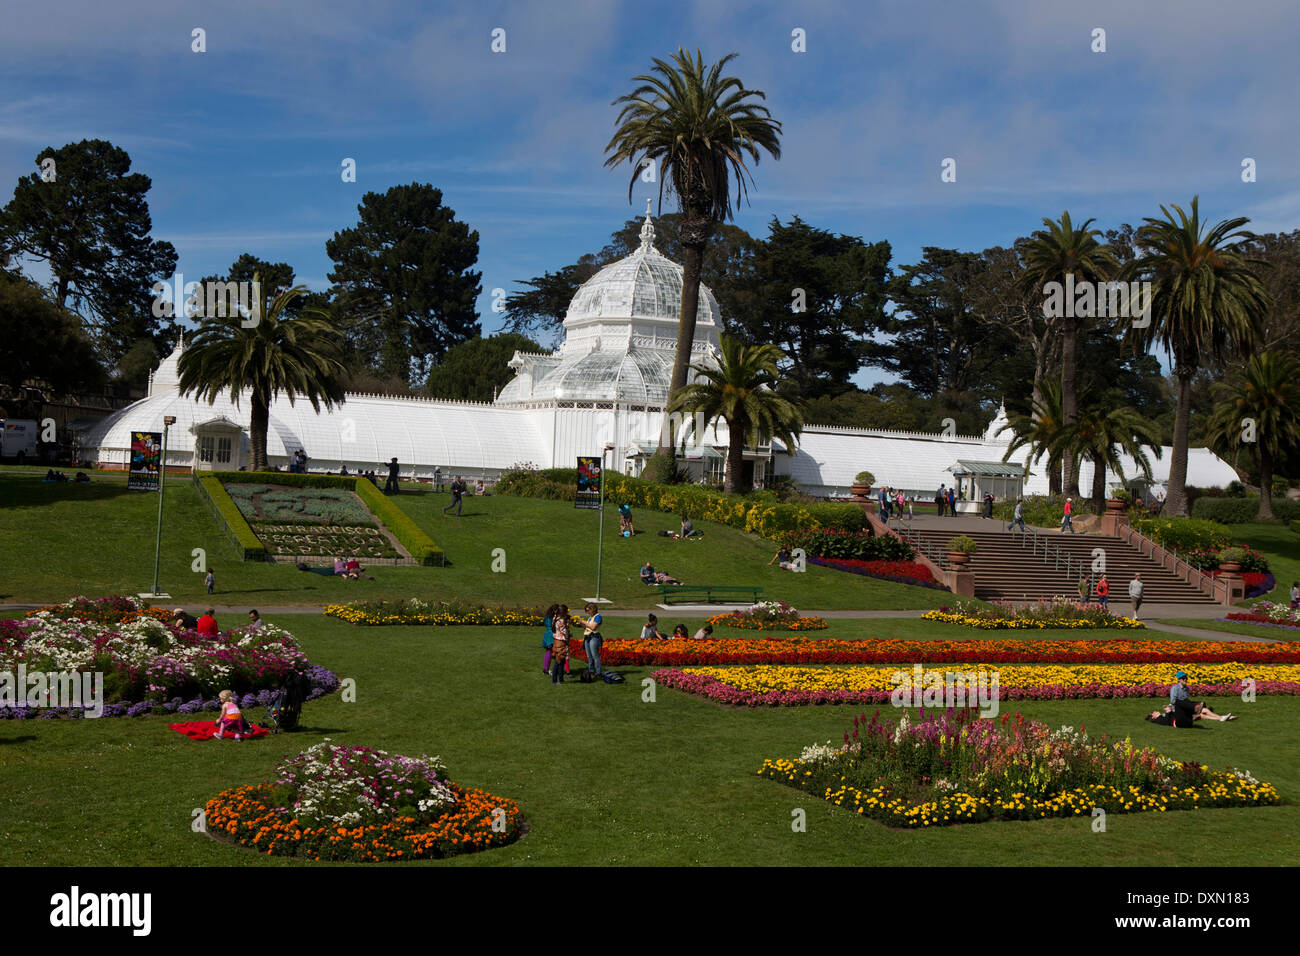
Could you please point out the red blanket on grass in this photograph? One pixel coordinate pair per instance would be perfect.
(207, 730)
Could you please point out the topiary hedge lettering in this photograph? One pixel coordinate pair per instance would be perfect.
(227, 513)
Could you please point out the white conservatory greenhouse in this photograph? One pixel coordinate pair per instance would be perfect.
(606, 385)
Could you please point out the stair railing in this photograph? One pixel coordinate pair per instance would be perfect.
(1208, 584)
(1054, 552)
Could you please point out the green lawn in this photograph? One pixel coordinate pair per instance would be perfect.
(603, 777)
(98, 538)
(1233, 627)
(1282, 546)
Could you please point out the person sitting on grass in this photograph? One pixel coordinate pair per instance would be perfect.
(1187, 710)
(340, 568)
(679, 633)
(704, 633)
(207, 624)
(353, 570)
(650, 632)
(184, 620)
(1295, 593)
(687, 528)
(784, 557)
(650, 576)
(1171, 716)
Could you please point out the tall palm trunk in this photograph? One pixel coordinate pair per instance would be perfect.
(1176, 499)
(1265, 483)
(258, 423)
(735, 459)
(1098, 483)
(694, 237)
(1069, 399)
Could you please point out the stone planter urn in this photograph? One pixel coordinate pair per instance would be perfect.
(860, 491)
(958, 559)
(1115, 505)
(1230, 567)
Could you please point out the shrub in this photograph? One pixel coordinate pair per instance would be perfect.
(1242, 510)
(963, 544)
(663, 469)
(1232, 555)
(853, 545)
(420, 546)
(288, 479)
(864, 478)
(1184, 534)
(1121, 494)
(227, 513)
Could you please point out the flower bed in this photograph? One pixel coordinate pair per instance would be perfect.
(114, 609)
(801, 650)
(778, 686)
(1268, 612)
(743, 619)
(329, 540)
(901, 572)
(362, 805)
(437, 613)
(955, 768)
(274, 503)
(1055, 613)
(150, 666)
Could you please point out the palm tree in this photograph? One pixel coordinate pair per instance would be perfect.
(297, 356)
(697, 126)
(1037, 431)
(742, 391)
(1205, 300)
(1051, 254)
(1101, 435)
(1259, 408)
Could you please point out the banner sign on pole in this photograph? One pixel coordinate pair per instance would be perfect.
(146, 461)
(588, 483)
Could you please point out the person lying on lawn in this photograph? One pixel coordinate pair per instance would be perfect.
(650, 576)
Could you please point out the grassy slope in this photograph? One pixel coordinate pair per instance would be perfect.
(603, 777)
(98, 538)
(1282, 546)
(1233, 627)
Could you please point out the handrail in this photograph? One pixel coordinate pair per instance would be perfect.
(1055, 550)
(1178, 566)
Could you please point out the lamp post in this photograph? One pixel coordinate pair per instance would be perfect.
(600, 541)
(168, 421)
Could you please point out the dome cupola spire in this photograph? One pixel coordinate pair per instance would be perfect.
(647, 230)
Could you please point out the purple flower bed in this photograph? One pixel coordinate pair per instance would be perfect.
(897, 579)
(722, 693)
(321, 680)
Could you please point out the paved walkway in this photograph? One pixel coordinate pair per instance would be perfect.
(1150, 614)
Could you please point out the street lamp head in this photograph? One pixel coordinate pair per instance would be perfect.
(169, 419)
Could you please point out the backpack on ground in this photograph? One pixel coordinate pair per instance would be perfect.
(613, 677)
(586, 677)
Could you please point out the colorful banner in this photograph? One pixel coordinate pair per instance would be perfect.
(588, 483)
(146, 461)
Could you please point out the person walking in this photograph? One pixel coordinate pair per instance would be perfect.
(1103, 592)
(1019, 517)
(1135, 593)
(457, 496)
(390, 486)
(210, 579)
(1065, 517)
(1085, 589)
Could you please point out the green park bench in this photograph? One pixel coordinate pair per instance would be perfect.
(708, 591)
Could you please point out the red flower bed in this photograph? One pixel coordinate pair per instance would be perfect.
(895, 569)
(802, 650)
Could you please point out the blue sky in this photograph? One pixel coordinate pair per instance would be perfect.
(244, 142)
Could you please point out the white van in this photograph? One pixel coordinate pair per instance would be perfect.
(18, 438)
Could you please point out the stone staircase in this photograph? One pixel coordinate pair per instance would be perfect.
(1010, 566)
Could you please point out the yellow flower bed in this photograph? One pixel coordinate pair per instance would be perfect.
(1219, 790)
(768, 678)
(1005, 624)
(355, 615)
